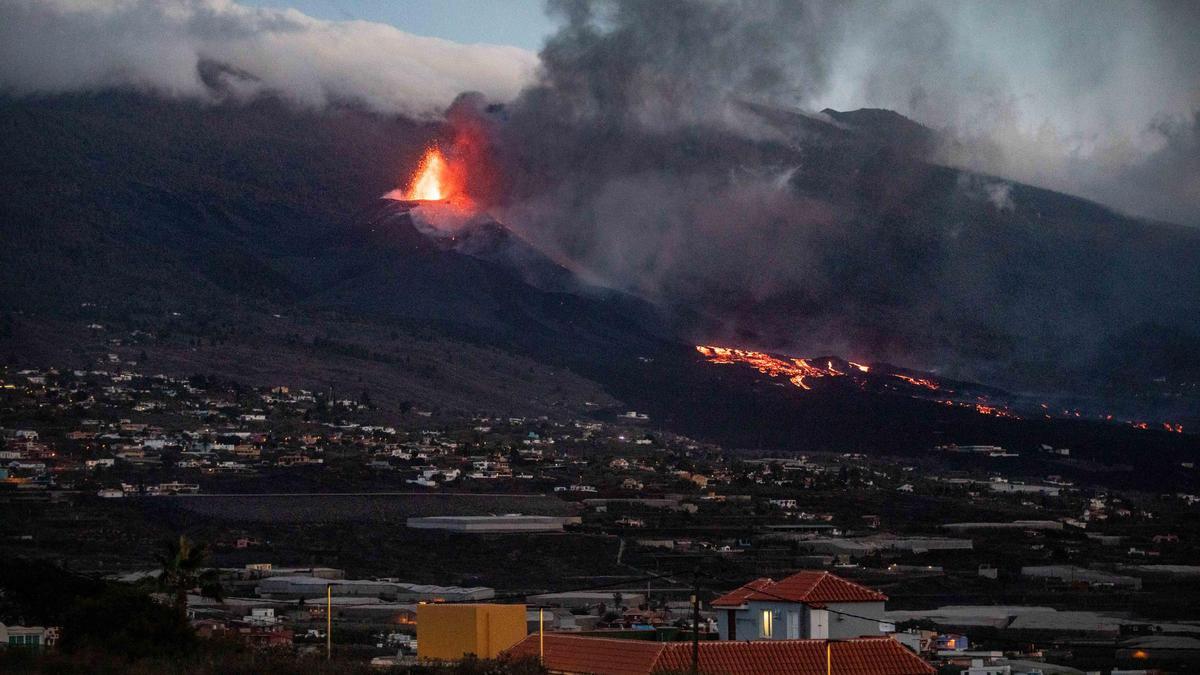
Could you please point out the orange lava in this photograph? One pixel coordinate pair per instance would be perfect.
(918, 382)
(432, 182)
(799, 372)
(795, 369)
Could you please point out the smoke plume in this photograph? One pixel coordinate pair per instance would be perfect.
(674, 148)
(663, 147)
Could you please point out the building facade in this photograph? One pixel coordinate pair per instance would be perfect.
(805, 606)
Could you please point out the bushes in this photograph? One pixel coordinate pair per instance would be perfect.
(96, 617)
(128, 622)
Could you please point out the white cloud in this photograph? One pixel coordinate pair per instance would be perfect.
(58, 46)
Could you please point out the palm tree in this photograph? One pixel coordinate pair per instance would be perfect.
(183, 570)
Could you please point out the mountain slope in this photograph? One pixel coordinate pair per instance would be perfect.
(250, 241)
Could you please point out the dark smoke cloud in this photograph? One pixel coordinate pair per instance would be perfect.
(1072, 95)
(661, 148)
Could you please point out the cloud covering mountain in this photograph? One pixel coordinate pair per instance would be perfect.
(1095, 99)
(212, 49)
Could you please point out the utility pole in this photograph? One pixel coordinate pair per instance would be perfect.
(696, 621)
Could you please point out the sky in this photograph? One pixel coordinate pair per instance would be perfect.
(1097, 98)
(521, 23)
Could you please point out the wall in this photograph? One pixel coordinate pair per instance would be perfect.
(749, 621)
(450, 632)
(841, 626)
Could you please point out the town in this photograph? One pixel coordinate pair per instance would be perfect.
(333, 528)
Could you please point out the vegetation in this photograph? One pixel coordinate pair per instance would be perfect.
(182, 570)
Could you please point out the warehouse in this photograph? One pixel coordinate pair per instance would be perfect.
(506, 524)
(296, 587)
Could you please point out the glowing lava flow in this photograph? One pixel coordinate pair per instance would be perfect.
(432, 180)
(918, 382)
(795, 369)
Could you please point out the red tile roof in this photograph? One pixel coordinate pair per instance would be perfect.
(604, 656)
(576, 654)
(809, 587)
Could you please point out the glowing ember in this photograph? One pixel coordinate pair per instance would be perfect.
(432, 180)
(983, 409)
(995, 411)
(865, 369)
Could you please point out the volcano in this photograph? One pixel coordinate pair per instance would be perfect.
(220, 225)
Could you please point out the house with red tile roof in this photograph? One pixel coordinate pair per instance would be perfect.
(811, 605)
(564, 653)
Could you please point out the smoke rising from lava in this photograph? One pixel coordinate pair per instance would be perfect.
(659, 150)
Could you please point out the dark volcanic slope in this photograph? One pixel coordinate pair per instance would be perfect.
(134, 204)
(896, 258)
(199, 225)
(250, 241)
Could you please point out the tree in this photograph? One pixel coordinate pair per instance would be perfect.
(182, 570)
(126, 621)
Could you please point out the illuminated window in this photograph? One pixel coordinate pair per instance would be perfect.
(768, 623)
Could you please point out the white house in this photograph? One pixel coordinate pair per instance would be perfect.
(27, 636)
(806, 605)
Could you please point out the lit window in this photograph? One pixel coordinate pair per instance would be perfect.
(768, 623)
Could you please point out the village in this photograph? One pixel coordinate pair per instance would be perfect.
(607, 526)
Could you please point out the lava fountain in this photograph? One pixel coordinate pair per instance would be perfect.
(431, 182)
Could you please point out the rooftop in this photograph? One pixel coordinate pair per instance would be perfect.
(606, 656)
(809, 587)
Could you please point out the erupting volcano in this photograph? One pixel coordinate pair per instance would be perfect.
(438, 187)
(432, 181)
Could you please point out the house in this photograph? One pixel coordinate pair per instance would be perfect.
(562, 653)
(951, 642)
(807, 605)
(261, 616)
(34, 637)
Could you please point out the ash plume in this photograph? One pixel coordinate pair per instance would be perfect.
(664, 148)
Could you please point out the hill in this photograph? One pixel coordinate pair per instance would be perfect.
(250, 242)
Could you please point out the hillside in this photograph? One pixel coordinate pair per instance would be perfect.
(250, 242)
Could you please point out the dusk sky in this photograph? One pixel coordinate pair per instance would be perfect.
(522, 23)
(1095, 99)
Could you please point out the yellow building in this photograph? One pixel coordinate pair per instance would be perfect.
(450, 632)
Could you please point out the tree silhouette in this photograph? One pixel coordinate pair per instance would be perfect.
(182, 569)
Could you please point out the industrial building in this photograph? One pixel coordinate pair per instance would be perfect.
(586, 599)
(506, 524)
(862, 546)
(1013, 525)
(296, 587)
(1071, 574)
